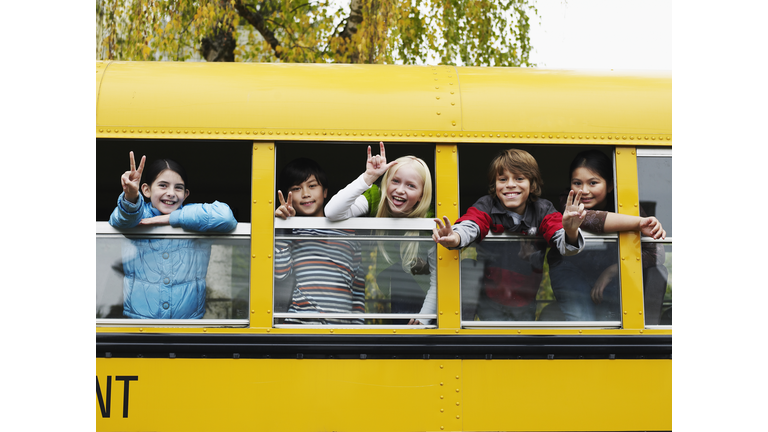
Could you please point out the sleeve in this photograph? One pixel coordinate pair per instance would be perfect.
(215, 217)
(430, 301)
(127, 214)
(468, 232)
(358, 290)
(283, 259)
(348, 202)
(551, 228)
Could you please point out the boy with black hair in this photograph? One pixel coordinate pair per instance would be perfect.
(329, 275)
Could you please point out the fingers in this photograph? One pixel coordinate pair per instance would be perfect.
(369, 154)
(577, 198)
(447, 222)
(289, 205)
(569, 200)
(141, 165)
(133, 162)
(381, 150)
(414, 322)
(280, 197)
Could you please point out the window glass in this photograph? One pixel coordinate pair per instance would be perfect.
(354, 277)
(171, 276)
(654, 171)
(517, 276)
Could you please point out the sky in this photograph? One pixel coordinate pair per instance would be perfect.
(602, 34)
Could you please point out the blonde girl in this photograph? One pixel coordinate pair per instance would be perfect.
(406, 192)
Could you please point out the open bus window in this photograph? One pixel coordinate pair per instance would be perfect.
(519, 277)
(654, 177)
(360, 270)
(161, 272)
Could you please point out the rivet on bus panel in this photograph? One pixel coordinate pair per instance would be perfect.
(269, 256)
(441, 366)
(385, 134)
(441, 383)
(527, 136)
(640, 312)
(669, 138)
(205, 330)
(457, 416)
(451, 92)
(331, 330)
(394, 331)
(441, 410)
(536, 136)
(437, 87)
(254, 255)
(453, 134)
(456, 313)
(253, 311)
(653, 138)
(457, 403)
(457, 330)
(457, 390)
(442, 427)
(625, 312)
(438, 113)
(269, 311)
(441, 312)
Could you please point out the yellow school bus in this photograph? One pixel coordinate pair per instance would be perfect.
(248, 365)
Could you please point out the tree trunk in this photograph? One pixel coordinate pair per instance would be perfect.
(220, 47)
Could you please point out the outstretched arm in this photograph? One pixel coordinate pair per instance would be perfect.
(349, 202)
(648, 226)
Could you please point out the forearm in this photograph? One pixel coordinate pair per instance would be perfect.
(127, 214)
(617, 222)
(348, 202)
(214, 217)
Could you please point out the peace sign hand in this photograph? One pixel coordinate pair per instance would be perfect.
(130, 179)
(377, 165)
(286, 209)
(445, 235)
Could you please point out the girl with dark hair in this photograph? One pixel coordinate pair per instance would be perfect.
(586, 285)
(165, 278)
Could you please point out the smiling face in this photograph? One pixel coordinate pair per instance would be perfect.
(167, 192)
(512, 190)
(404, 190)
(594, 189)
(308, 197)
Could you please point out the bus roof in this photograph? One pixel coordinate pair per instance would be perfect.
(281, 101)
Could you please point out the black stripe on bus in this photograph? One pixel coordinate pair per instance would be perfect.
(159, 345)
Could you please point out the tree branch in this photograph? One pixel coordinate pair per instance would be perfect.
(256, 19)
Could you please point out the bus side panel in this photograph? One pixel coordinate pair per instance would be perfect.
(567, 395)
(277, 394)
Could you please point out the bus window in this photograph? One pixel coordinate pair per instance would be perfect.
(356, 271)
(519, 276)
(654, 172)
(161, 272)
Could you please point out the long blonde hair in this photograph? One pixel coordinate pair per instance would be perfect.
(408, 250)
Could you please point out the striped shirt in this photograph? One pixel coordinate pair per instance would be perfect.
(329, 275)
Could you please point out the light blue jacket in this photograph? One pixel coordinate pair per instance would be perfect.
(165, 278)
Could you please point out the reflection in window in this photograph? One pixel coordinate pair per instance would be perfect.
(654, 177)
(167, 286)
(511, 280)
(352, 277)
